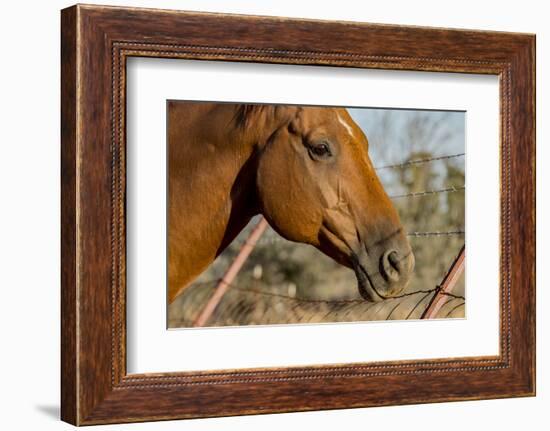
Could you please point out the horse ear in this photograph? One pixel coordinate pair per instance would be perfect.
(289, 114)
(293, 125)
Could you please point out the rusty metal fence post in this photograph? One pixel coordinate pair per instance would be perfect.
(231, 273)
(449, 281)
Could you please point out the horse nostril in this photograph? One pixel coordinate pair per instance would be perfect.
(395, 261)
(391, 265)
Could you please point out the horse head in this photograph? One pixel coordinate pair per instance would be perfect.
(316, 184)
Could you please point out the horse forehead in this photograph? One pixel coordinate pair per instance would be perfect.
(350, 131)
(334, 122)
(327, 117)
(347, 125)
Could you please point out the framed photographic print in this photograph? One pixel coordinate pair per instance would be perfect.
(281, 207)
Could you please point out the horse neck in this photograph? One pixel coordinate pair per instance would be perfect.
(212, 188)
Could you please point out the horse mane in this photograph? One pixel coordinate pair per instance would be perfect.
(247, 114)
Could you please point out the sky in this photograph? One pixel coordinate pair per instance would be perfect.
(397, 135)
(442, 132)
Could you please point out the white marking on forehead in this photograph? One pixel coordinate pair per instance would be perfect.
(346, 125)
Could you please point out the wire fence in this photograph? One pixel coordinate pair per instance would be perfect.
(221, 302)
(250, 306)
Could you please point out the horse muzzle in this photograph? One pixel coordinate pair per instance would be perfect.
(384, 276)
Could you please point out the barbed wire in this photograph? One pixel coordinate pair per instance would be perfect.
(331, 301)
(436, 233)
(419, 161)
(251, 305)
(429, 192)
(274, 240)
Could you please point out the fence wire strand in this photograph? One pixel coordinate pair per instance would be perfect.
(436, 233)
(274, 240)
(429, 192)
(339, 301)
(419, 161)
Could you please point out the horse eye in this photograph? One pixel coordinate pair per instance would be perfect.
(320, 150)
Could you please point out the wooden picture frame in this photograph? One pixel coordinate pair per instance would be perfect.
(95, 43)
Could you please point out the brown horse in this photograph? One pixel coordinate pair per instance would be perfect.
(306, 169)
